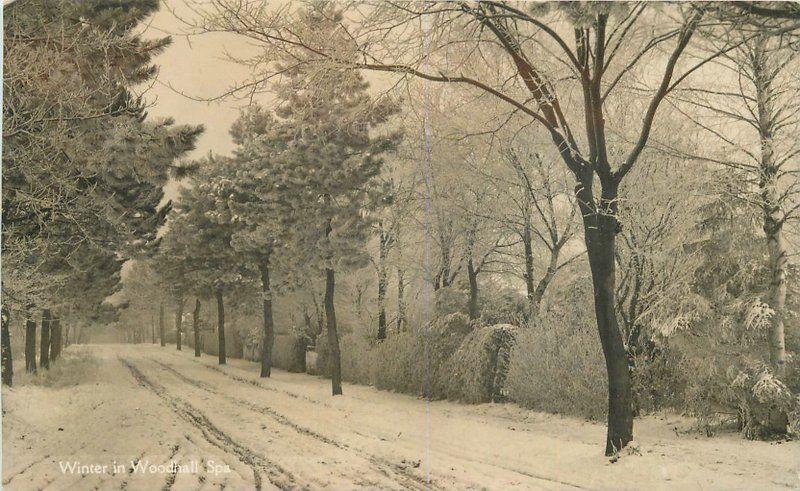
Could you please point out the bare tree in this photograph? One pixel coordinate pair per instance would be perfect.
(758, 112)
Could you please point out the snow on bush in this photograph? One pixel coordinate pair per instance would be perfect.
(412, 362)
(557, 366)
(477, 371)
(764, 402)
(76, 366)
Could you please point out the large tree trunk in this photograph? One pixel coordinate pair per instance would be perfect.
(269, 331)
(472, 306)
(30, 344)
(382, 280)
(196, 327)
(55, 338)
(401, 302)
(178, 322)
(220, 325)
(44, 346)
(5, 347)
(161, 323)
(600, 228)
(333, 337)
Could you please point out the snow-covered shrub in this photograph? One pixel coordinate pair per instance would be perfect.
(450, 300)
(707, 395)
(357, 359)
(658, 380)
(557, 366)
(477, 370)
(75, 366)
(500, 304)
(406, 362)
(794, 419)
(742, 390)
(764, 402)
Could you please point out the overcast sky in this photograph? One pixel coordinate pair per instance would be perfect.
(196, 66)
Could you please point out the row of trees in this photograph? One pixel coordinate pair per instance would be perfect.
(581, 73)
(83, 165)
(295, 198)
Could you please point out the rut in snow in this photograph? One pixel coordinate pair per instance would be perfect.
(392, 471)
(275, 473)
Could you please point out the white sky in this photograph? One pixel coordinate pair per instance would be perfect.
(195, 66)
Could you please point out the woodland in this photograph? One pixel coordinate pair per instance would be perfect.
(587, 209)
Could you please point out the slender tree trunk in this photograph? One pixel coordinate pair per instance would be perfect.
(5, 347)
(44, 345)
(153, 328)
(401, 303)
(220, 325)
(382, 280)
(778, 255)
(769, 174)
(30, 344)
(530, 289)
(472, 275)
(544, 282)
(196, 327)
(333, 337)
(55, 338)
(178, 322)
(600, 228)
(269, 332)
(161, 323)
(66, 335)
(309, 332)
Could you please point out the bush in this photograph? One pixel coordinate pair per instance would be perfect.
(723, 389)
(74, 367)
(658, 380)
(500, 304)
(477, 371)
(413, 361)
(289, 353)
(764, 402)
(557, 366)
(406, 362)
(358, 359)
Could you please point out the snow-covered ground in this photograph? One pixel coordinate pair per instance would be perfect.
(223, 426)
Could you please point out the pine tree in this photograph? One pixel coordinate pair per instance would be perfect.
(197, 244)
(255, 206)
(327, 170)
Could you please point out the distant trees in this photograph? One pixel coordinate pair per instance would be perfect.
(539, 210)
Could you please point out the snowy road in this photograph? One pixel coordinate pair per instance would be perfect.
(154, 418)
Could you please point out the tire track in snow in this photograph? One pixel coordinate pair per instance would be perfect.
(398, 468)
(275, 473)
(174, 474)
(394, 472)
(10, 478)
